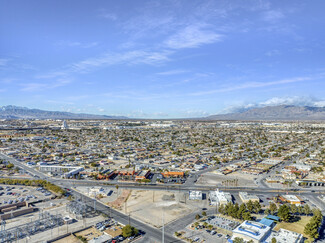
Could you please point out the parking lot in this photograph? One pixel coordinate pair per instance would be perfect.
(203, 235)
(10, 194)
(223, 223)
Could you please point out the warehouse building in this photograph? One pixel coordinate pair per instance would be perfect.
(245, 197)
(219, 197)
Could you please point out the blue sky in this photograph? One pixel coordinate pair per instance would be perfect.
(161, 59)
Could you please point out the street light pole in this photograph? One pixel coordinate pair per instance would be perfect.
(163, 228)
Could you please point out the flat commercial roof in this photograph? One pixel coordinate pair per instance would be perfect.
(284, 235)
(267, 222)
(273, 217)
(245, 196)
(254, 230)
(291, 198)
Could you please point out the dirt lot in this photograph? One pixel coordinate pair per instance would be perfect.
(89, 234)
(216, 179)
(149, 206)
(298, 226)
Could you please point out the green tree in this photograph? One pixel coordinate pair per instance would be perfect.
(238, 240)
(257, 207)
(250, 206)
(273, 240)
(301, 210)
(197, 217)
(128, 231)
(284, 213)
(307, 210)
(293, 209)
(204, 213)
(273, 208)
(241, 211)
(10, 166)
(247, 216)
(221, 209)
(267, 211)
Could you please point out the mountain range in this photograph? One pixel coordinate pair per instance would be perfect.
(280, 112)
(17, 112)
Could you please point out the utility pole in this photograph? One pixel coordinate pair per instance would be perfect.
(163, 228)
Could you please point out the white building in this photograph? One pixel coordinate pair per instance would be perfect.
(64, 125)
(195, 195)
(250, 230)
(67, 171)
(301, 166)
(218, 197)
(283, 236)
(245, 197)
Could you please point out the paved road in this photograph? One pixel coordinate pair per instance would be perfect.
(151, 233)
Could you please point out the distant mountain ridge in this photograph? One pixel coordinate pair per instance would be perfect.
(280, 112)
(17, 112)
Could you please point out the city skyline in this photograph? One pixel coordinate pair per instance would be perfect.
(150, 59)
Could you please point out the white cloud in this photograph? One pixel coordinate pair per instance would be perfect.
(108, 59)
(109, 16)
(193, 36)
(272, 53)
(7, 80)
(275, 101)
(76, 44)
(31, 87)
(251, 85)
(172, 72)
(294, 100)
(3, 62)
(273, 15)
(194, 113)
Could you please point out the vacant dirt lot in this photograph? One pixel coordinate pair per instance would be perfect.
(150, 206)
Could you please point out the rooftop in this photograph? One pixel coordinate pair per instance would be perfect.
(284, 235)
(254, 230)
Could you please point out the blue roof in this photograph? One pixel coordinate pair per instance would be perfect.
(270, 216)
(267, 222)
